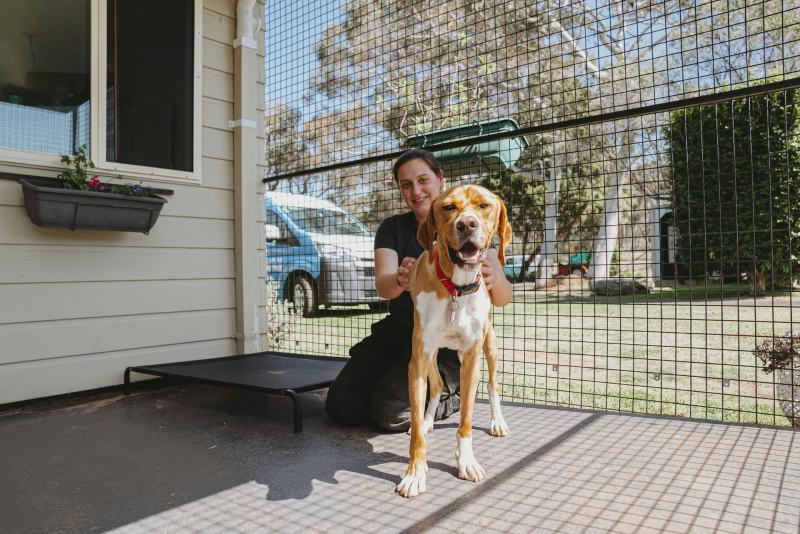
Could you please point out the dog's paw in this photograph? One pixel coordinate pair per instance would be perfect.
(499, 428)
(413, 482)
(470, 469)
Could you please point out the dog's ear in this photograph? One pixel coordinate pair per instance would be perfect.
(503, 231)
(427, 232)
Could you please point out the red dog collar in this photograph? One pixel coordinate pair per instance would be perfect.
(454, 290)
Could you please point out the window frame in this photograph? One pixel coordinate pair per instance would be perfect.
(98, 55)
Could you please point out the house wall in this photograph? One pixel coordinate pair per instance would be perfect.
(76, 308)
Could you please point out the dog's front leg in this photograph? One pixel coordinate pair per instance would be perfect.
(499, 426)
(436, 386)
(413, 482)
(468, 466)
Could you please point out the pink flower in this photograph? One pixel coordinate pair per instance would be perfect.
(94, 182)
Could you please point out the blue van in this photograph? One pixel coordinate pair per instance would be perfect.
(318, 253)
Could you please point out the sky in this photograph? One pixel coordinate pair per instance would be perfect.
(292, 31)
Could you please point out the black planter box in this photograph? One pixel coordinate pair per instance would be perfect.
(51, 206)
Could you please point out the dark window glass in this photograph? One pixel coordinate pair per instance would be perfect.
(44, 75)
(150, 91)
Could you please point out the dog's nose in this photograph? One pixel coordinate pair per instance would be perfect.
(467, 223)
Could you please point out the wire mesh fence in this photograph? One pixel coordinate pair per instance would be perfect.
(648, 155)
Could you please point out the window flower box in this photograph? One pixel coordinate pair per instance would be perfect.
(50, 205)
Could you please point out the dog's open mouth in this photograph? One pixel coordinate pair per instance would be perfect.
(468, 254)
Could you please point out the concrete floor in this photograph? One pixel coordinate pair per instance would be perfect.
(195, 458)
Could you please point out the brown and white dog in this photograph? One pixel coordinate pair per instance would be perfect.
(451, 309)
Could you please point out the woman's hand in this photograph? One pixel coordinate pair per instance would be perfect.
(391, 274)
(403, 272)
(500, 290)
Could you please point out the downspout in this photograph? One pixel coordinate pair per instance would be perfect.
(247, 187)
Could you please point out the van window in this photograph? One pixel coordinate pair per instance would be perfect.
(324, 221)
(285, 234)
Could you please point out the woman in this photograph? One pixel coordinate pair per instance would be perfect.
(373, 386)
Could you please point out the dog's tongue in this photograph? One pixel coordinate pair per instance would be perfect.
(469, 252)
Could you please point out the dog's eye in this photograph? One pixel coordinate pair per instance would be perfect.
(483, 205)
(449, 207)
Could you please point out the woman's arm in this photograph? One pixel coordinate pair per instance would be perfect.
(391, 277)
(500, 289)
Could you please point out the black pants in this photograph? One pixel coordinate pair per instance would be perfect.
(373, 386)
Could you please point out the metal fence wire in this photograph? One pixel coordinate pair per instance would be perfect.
(649, 157)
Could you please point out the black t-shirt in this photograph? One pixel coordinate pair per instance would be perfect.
(399, 233)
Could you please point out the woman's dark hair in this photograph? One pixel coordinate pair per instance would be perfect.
(417, 153)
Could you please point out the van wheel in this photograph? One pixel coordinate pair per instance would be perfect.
(301, 294)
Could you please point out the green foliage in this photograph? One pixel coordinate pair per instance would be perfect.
(524, 199)
(736, 172)
(779, 352)
(580, 207)
(76, 176)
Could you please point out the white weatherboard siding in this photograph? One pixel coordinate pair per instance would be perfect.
(76, 308)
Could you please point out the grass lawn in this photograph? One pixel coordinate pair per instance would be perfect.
(685, 351)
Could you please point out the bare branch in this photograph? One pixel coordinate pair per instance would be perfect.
(577, 50)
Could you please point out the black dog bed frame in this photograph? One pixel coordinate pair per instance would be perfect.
(275, 373)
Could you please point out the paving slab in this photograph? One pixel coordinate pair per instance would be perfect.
(196, 458)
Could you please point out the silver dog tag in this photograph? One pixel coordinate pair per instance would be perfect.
(453, 309)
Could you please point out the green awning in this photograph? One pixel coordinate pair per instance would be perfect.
(488, 156)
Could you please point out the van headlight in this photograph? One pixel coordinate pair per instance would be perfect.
(338, 253)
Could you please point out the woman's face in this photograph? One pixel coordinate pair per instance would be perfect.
(419, 186)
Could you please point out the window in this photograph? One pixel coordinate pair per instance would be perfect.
(45, 75)
(119, 76)
(284, 234)
(149, 83)
(324, 221)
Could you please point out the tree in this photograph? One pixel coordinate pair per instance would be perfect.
(457, 62)
(648, 52)
(736, 169)
(447, 64)
(579, 209)
(391, 69)
(287, 151)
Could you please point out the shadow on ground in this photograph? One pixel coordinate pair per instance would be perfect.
(107, 460)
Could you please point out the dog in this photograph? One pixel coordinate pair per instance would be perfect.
(451, 309)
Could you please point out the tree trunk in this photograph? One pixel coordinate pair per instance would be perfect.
(758, 280)
(606, 241)
(553, 186)
(524, 263)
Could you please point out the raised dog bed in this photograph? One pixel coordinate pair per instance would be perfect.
(268, 372)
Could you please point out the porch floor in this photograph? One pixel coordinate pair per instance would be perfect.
(197, 458)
